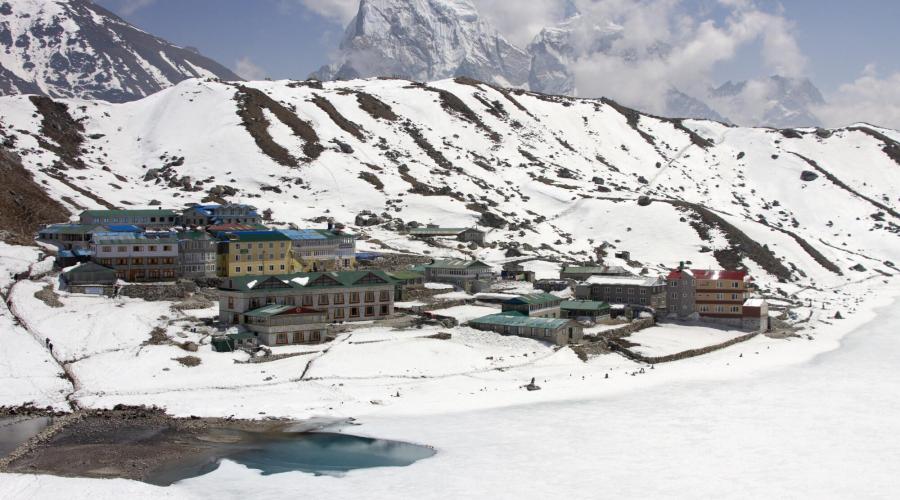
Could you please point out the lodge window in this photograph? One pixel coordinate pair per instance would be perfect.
(354, 297)
(370, 311)
(231, 302)
(734, 296)
(323, 299)
(338, 314)
(261, 268)
(307, 300)
(385, 296)
(237, 269)
(339, 298)
(298, 337)
(315, 336)
(370, 296)
(354, 312)
(720, 284)
(735, 284)
(281, 339)
(720, 308)
(735, 309)
(384, 310)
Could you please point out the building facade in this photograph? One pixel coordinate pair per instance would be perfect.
(535, 305)
(469, 275)
(216, 214)
(138, 257)
(69, 236)
(315, 250)
(276, 325)
(197, 254)
(460, 233)
(584, 310)
(713, 294)
(558, 331)
(581, 273)
(648, 292)
(250, 253)
(343, 296)
(147, 219)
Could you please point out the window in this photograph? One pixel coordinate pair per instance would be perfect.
(271, 268)
(735, 309)
(307, 300)
(720, 284)
(121, 249)
(323, 299)
(152, 248)
(281, 339)
(338, 314)
(735, 284)
(370, 311)
(298, 337)
(237, 269)
(260, 268)
(338, 298)
(166, 248)
(385, 296)
(370, 296)
(720, 308)
(231, 302)
(354, 297)
(107, 249)
(354, 312)
(734, 296)
(315, 336)
(384, 310)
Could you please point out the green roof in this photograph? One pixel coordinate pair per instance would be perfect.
(70, 228)
(533, 298)
(520, 320)
(436, 230)
(456, 264)
(275, 309)
(583, 305)
(256, 236)
(405, 275)
(136, 213)
(334, 279)
(193, 235)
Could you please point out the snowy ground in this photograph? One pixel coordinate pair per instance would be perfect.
(752, 416)
(466, 313)
(671, 338)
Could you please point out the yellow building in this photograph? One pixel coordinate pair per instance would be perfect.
(254, 253)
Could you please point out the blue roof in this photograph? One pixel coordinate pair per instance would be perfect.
(127, 228)
(302, 234)
(66, 253)
(367, 255)
(83, 252)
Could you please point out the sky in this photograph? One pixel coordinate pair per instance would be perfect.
(846, 48)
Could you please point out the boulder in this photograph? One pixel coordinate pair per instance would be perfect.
(808, 175)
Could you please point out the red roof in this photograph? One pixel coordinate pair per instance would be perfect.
(708, 274)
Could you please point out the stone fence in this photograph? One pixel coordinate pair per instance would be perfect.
(628, 353)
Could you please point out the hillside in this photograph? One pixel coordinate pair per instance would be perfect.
(75, 48)
(553, 178)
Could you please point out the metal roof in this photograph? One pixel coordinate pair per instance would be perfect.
(583, 305)
(255, 236)
(70, 228)
(405, 275)
(612, 270)
(626, 280)
(275, 310)
(313, 234)
(436, 231)
(456, 264)
(133, 213)
(503, 319)
(339, 279)
(533, 298)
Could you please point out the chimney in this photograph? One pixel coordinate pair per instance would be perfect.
(681, 266)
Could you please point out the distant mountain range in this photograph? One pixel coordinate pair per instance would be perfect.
(427, 40)
(75, 48)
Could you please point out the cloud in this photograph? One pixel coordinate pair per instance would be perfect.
(248, 70)
(521, 21)
(131, 6)
(341, 11)
(870, 98)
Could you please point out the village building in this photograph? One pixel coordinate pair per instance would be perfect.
(535, 305)
(472, 276)
(552, 285)
(215, 214)
(459, 233)
(514, 271)
(585, 310)
(90, 278)
(138, 257)
(645, 292)
(197, 254)
(714, 295)
(69, 236)
(275, 325)
(556, 330)
(314, 250)
(146, 219)
(581, 273)
(755, 315)
(251, 253)
(342, 295)
(406, 281)
(219, 230)
(69, 258)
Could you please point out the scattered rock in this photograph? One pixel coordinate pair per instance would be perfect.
(808, 175)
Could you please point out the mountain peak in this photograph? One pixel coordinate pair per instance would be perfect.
(425, 40)
(75, 48)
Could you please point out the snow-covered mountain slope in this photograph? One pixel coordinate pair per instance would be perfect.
(552, 178)
(75, 48)
(425, 40)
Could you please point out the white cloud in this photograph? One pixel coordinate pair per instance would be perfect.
(248, 70)
(131, 6)
(341, 11)
(870, 98)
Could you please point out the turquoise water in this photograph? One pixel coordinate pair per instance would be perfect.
(318, 453)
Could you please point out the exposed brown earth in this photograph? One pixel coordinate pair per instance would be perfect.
(24, 205)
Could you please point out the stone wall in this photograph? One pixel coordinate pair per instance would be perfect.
(628, 353)
(160, 291)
